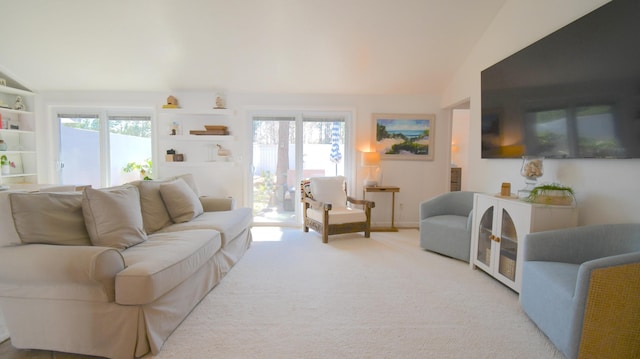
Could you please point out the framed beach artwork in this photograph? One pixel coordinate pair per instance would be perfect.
(404, 136)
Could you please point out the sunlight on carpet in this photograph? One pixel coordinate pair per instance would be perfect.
(292, 296)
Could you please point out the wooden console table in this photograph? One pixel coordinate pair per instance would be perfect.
(388, 189)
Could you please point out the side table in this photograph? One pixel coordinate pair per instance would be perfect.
(388, 189)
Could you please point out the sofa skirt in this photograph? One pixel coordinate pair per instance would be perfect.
(112, 330)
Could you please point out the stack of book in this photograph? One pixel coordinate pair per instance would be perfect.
(211, 130)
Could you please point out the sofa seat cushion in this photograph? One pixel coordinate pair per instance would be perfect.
(448, 221)
(338, 215)
(229, 223)
(560, 278)
(159, 264)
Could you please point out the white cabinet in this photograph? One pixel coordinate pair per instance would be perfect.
(18, 133)
(499, 227)
(174, 129)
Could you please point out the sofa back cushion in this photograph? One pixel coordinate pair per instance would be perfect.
(49, 218)
(154, 214)
(113, 216)
(181, 201)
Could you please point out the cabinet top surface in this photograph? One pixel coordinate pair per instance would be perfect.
(497, 196)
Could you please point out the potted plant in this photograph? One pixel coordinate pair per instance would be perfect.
(554, 194)
(143, 167)
(6, 165)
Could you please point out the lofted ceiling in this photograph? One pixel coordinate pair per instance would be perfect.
(265, 46)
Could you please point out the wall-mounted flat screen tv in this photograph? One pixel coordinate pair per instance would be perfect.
(573, 94)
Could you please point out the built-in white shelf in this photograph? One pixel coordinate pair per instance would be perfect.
(201, 164)
(208, 112)
(15, 91)
(206, 138)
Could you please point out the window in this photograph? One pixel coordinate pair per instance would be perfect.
(100, 149)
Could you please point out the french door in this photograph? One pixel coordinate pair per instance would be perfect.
(288, 147)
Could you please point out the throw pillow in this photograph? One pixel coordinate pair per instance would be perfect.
(49, 218)
(154, 214)
(329, 190)
(181, 201)
(113, 216)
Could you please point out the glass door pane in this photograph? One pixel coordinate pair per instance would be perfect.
(508, 247)
(323, 147)
(80, 149)
(484, 237)
(274, 154)
(129, 149)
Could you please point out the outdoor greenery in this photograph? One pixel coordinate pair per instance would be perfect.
(145, 168)
(263, 191)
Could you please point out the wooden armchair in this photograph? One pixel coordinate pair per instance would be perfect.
(325, 210)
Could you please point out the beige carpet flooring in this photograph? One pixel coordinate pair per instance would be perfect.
(293, 297)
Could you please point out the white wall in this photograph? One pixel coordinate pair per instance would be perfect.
(418, 180)
(607, 190)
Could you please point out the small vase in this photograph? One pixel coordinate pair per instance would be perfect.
(6, 169)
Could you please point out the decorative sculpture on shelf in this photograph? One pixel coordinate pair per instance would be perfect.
(19, 105)
(219, 102)
(172, 102)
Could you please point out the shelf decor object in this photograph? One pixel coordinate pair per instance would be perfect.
(552, 194)
(531, 170)
(172, 102)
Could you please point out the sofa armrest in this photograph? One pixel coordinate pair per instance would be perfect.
(214, 204)
(45, 265)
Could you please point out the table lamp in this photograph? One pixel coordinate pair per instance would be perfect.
(371, 159)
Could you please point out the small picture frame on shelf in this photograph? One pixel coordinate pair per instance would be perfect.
(3, 82)
(13, 124)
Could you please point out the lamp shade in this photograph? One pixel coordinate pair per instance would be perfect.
(370, 159)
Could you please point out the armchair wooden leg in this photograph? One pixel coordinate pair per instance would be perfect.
(367, 234)
(325, 234)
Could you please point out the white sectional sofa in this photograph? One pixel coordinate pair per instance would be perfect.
(112, 272)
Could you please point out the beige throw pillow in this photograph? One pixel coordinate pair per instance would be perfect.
(113, 216)
(49, 218)
(154, 214)
(181, 201)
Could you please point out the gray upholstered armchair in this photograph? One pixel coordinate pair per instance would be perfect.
(445, 224)
(581, 287)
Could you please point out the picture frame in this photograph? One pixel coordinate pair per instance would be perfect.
(404, 136)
